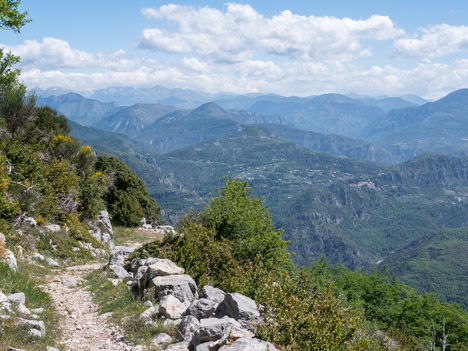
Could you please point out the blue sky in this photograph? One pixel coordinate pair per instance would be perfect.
(290, 48)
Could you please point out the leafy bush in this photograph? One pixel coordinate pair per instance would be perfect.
(396, 308)
(301, 316)
(238, 216)
(206, 259)
(127, 198)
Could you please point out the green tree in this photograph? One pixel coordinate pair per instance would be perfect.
(8, 75)
(11, 17)
(127, 198)
(237, 215)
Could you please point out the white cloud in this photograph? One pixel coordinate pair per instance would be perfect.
(53, 53)
(241, 51)
(238, 33)
(435, 41)
(431, 80)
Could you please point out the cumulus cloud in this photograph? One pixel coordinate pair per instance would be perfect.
(431, 80)
(435, 41)
(240, 50)
(239, 32)
(53, 53)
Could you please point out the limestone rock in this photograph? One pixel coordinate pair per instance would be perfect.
(164, 229)
(213, 294)
(17, 298)
(10, 259)
(182, 287)
(101, 229)
(241, 308)
(147, 269)
(52, 228)
(249, 344)
(38, 256)
(52, 262)
(187, 328)
(21, 308)
(147, 316)
(30, 221)
(3, 297)
(118, 255)
(172, 323)
(213, 329)
(180, 346)
(121, 273)
(37, 328)
(2, 239)
(170, 307)
(202, 308)
(148, 304)
(161, 339)
(164, 267)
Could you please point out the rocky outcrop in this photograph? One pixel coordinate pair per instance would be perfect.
(249, 344)
(117, 262)
(215, 321)
(241, 308)
(101, 229)
(13, 307)
(8, 257)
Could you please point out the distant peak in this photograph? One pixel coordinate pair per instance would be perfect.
(461, 94)
(211, 109)
(338, 98)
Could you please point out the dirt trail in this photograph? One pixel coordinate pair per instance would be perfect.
(83, 329)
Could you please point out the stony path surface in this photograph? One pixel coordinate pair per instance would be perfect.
(83, 329)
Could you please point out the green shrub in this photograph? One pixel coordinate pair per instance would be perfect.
(299, 316)
(238, 216)
(127, 198)
(207, 259)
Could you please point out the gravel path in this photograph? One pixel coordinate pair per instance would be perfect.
(83, 329)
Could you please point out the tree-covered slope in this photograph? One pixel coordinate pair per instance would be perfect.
(184, 128)
(134, 119)
(275, 167)
(78, 108)
(379, 213)
(439, 125)
(328, 113)
(109, 142)
(336, 145)
(438, 262)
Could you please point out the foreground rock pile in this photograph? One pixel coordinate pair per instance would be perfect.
(210, 321)
(14, 307)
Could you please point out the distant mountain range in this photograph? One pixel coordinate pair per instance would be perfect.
(389, 129)
(352, 212)
(134, 119)
(77, 108)
(440, 126)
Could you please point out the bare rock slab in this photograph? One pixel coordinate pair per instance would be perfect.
(241, 308)
(213, 294)
(202, 308)
(249, 344)
(170, 307)
(183, 287)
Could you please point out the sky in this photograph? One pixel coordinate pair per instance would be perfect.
(290, 47)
